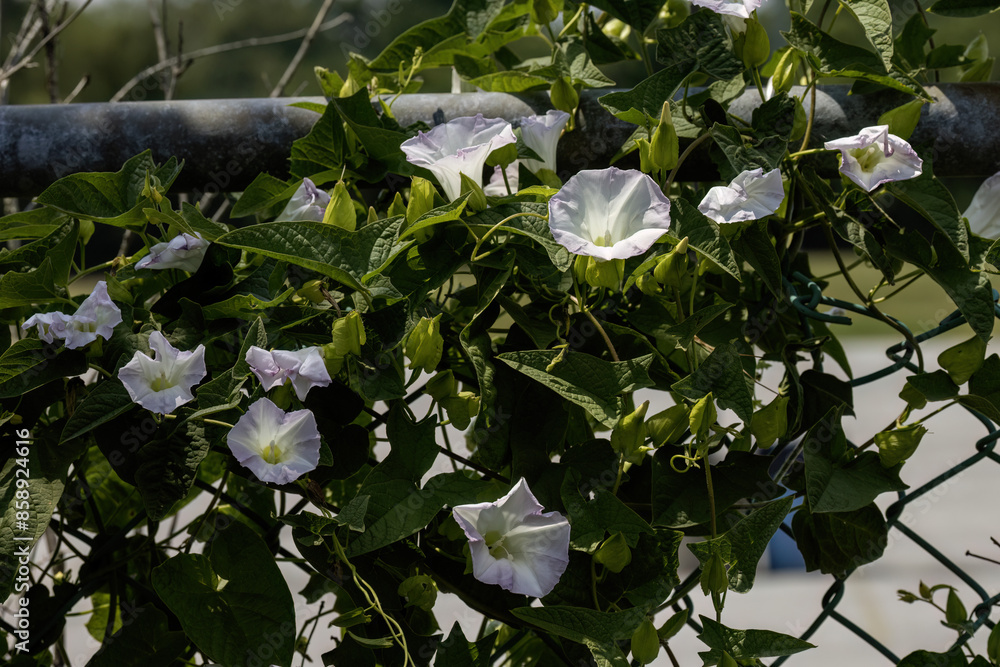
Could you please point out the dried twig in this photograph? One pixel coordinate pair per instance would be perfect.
(279, 88)
(51, 73)
(7, 72)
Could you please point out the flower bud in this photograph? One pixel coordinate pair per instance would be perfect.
(630, 432)
(311, 290)
(784, 72)
(419, 591)
(607, 274)
(668, 425)
(674, 12)
(647, 285)
(477, 198)
(616, 28)
(727, 661)
(645, 643)
(545, 11)
(646, 165)
(340, 210)
(397, 207)
(954, 611)
(421, 199)
(441, 386)
(899, 444)
(461, 408)
(672, 269)
(502, 157)
(425, 345)
(756, 45)
(348, 334)
(564, 96)
(703, 415)
(713, 576)
(978, 49)
(614, 553)
(664, 148)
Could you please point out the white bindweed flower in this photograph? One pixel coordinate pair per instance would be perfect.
(750, 196)
(983, 213)
(308, 203)
(741, 8)
(541, 134)
(458, 147)
(184, 251)
(514, 545)
(163, 384)
(97, 316)
(873, 157)
(51, 326)
(276, 446)
(303, 368)
(496, 187)
(609, 213)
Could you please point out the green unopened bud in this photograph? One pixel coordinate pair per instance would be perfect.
(616, 28)
(703, 415)
(608, 274)
(545, 11)
(664, 147)
(902, 120)
(646, 165)
(397, 207)
(441, 386)
(728, 661)
(580, 269)
(978, 72)
(647, 285)
(978, 49)
(672, 269)
(350, 87)
(770, 422)
(425, 345)
(898, 444)
(713, 576)
(674, 12)
(502, 157)
(784, 72)
(954, 611)
(756, 45)
(340, 210)
(564, 96)
(419, 591)
(348, 334)
(645, 643)
(333, 362)
(461, 408)
(668, 425)
(630, 432)
(311, 290)
(152, 188)
(614, 553)
(421, 199)
(964, 359)
(477, 198)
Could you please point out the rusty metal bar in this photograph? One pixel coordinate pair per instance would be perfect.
(225, 143)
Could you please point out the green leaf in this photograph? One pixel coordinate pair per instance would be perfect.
(33, 224)
(636, 13)
(25, 289)
(930, 198)
(837, 542)
(189, 220)
(457, 651)
(579, 624)
(704, 236)
(754, 245)
(30, 363)
(722, 374)
(745, 542)
(105, 401)
(167, 468)
(642, 104)
(928, 659)
(590, 520)
(749, 644)
(266, 191)
(770, 422)
(876, 18)
(58, 247)
(509, 81)
(243, 306)
(936, 386)
(147, 634)
(348, 257)
(961, 361)
(378, 141)
(964, 8)
(702, 43)
(534, 227)
(590, 382)
(447, 213)
(764, 154)
(320, 150)
(233, 603)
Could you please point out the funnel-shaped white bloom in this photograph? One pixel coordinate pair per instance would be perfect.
(163, 384)
(458, 147)
(984, 211)
(514, 545)
(750, 196)
(51, 326)
(873, 157)
(308, 203)
(741, 8)
(496, 187)
(609, 213)
(303, 368)
(276, 446)
(184, 251)
(541, 134)
(97, 316)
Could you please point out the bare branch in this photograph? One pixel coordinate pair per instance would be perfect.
(51, 73)
(223, 48)
(78, 89)
(279, 88)
(6, 73)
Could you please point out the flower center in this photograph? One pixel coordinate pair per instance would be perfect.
(494, 542)
(161, 383)
(271, 453)
(604, 241)
(868, 157)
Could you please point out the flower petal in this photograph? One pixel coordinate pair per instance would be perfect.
(308, 203)
(294, 436)
(873, 157)
(984, 210)
(741, 8)
(541, 134)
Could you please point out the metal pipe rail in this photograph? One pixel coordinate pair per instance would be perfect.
(225, 143)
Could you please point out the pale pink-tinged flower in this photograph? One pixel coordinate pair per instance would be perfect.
(51, 326)
(458, 147)
(163, 384)
(750, 196)
(873, 157)
(308, 203)
(303, 368)
(97, 316)
(983, 213)
(609, 213)
(276, 446)
(741, 8)
(541, 134)
(514, 544)
(184, 251)
(496, 187)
